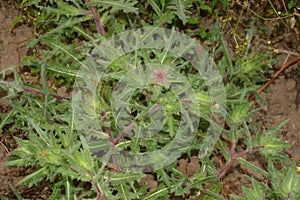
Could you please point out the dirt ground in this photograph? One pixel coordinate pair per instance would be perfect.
(12, 49)
(12, 42)
(281, 98)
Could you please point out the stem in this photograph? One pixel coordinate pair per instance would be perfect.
(155, 109)
(97, 19)
(117, 140)
(234, 157)
(111, 140)
(99, 193)
(115, 157)
(127, 129)
(38, 92)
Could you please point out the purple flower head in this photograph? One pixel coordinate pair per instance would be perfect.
(160, 76)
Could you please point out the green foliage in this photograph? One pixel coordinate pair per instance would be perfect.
(284, 185)
(57, 152)
(252, 193)
(116, 5)
(273, 145)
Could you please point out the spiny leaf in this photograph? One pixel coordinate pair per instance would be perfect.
(155, 7)
(63, 9)
(178, 8)
(252, 166)
(161, 191)
(254, 193)
(35, 177)
(126, 6)
(116, 179)
(126, 193)
(291, 182)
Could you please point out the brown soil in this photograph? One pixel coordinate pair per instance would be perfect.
(12, 41)
(281, 98)
(12, 50)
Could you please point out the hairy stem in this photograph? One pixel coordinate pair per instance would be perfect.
(97, 19)
(123, 133)
(38, 92)
(99, 193)
(234, 157)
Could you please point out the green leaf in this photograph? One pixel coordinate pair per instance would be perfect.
(166, 17)
(161, 191)
(127, 6)
(250, 33)
(206, 8)
(178, 8)
(56, 191)
(35, 177)
(85, 160)
(126, 192)
(6, 119)
(65, 50)
(155, 7)
(17, 20)
(226, 61)
(239, 114)
(255, 193)
(63, 9)
(290, 184)
(198, 181)
(162, 175)
(69, 188)
(58, 31)
(286, 182)
(272, 144)
(120, 178)
(17, 162)
(252, 167)
(3, 198)
(16, 193)
(213, 195)
(43, 135)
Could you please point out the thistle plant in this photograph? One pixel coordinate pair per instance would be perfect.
(143, 96)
